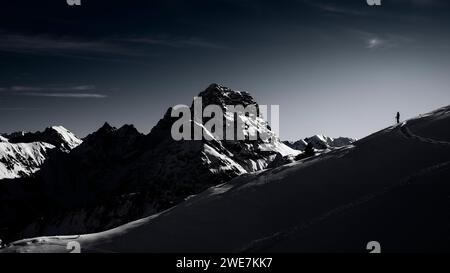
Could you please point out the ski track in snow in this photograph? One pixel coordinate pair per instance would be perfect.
(410, 135)
(268, 241)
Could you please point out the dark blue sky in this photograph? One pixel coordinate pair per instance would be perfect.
(334, 67)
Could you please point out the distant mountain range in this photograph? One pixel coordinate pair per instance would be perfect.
(320, 142)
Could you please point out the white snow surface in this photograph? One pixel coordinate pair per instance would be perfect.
(21, 159)
(224, 163)
(223, 158)
(69, 138)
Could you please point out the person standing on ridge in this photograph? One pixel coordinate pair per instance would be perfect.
(398, 117)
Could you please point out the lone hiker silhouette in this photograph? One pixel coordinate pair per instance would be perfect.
(397, 117)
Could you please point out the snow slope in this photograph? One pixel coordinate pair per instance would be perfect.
(21, 154)
(22, 159)
(247, 156)
(69, 140)
(58, 136)
(391, 186)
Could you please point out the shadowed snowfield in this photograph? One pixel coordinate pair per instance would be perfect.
(391, 187)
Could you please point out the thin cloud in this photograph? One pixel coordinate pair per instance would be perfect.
(387, 41)
(102, 49)
(63, 46)
(334, 9)
(84, 87)
(57, 91)
(21, 88)
(67, 95)
(17, 108)
(430, 3)
(177, 43)
(374, 41)
(25, 88)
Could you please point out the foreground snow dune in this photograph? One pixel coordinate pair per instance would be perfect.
(391, 187)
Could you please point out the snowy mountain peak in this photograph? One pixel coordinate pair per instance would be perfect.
(57, 136)
(320, 138)
(250, 156)
(22, 154)
(22, 159)
(221, 95)
(70, 141)
(319, 141)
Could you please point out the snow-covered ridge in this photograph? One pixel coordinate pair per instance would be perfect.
(320, 142)
(68, 137)
(58, 136)
(21, 154)
(22, 159)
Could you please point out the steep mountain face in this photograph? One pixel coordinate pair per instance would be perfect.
(374, 189)
(239, 156)
(22, 159)
(118, 175)
(22, 154)
(320, 142)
